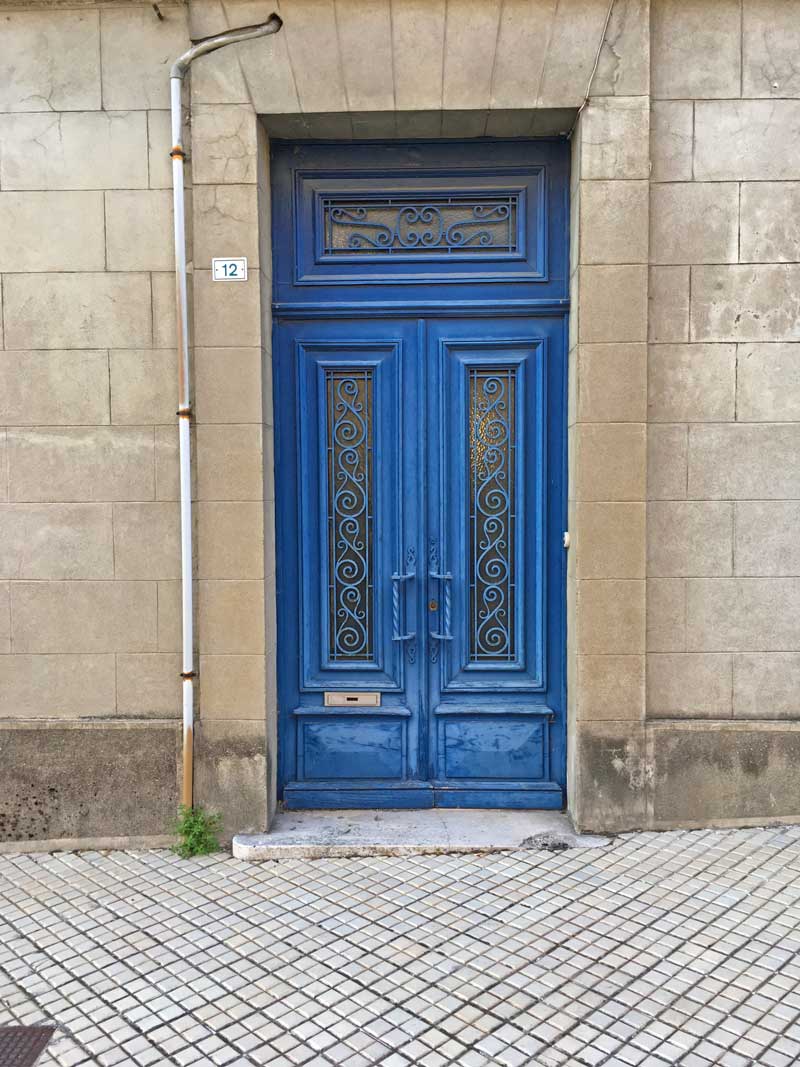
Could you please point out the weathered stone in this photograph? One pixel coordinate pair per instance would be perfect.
(231, 616)
(167, 464)
(614, 133)
(770, 222)
(138, 49)
(770, 46)
(746, 303)
(223, 144)
(56, 541)
(227, 315)
(169, 617)
(56, 61)
(743, 614)
(230, 539)
(696, 48)
(671, 139)
(147, 540)
(228, 385)
(747, 140)
(613, 221)
(666, 615)
(611, 540)
(766, 685)
(623, 68)
(229, 463)
(667, 462)
(689, 686)
(668, 304)
(611, 616)
(5, 618)
(741, 462)
(612, 383)
(613, 303)
(572, 52)
(163, 289)
(364, 32)
(520, 52)
(611, 462)
(92, 463)
(144, 386)
(691, 383)
(77, 311)
(612, 777)
(225, 217)
(467, 75)
(268, 73)
(139, 229)
(84, 616)
(610, 687)
(58, 388)
(58, 686)
(74, 150)
(232, 687)
(694, 222)
(148, 684)
(689, 538)
(766, 538)
(417, 57)
(230, 773)
(768, 383)
(87, 780)
(159, 142)
(51, 231)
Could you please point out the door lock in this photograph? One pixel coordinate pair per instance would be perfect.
(433, 605)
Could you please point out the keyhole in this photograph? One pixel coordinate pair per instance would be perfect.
(433, 605)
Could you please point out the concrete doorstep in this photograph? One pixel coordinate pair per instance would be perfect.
(319, 834)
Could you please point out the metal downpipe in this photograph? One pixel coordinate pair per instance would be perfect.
(177, 74)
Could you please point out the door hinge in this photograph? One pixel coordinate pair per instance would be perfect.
(566, 539)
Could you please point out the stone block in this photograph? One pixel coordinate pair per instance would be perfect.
(743, 614)
(223, 144)
(744, 462)
(219, 79)
(51, 231)
(167, 463)
(144, 386)
(611, 540)
(169, 617)
(611, 776)
(87, 464)
(668, 304)
(229, 463)
(770, 46)
(696, 48)
(77, 311)
(227, 315)
(747, 140)
(149, 684)
(623, 68)
(611, 461)
(3, 466)
(613, 222)
(159, 142)
(689, 538)
(770, 222)
(520, 52)
(689, 686)
(691, 383)
(364, 34)
(671, 140)
(417, 57)
(228, 385)
(572, 53)
(74, 150)
(614, 133)
(611, 617)
(666, 615)
(610, 687)
(766, 685)
(57, 388)
(84, 616)
(268, 73)
(56, 64)
(310, 30)
(766, 542)
(613, 304)
(139, 229)
(467, 74)
(612, 383)
(147, 540)
(725, 772)
(667, 462)
(232, 687)
(163, 289)
(231, 769)
(230, 539)
(694, 222)
(231, 617)
(54, 687)
(87, 780)
(138, 48)
(5, 618)
(225, 217)
(768, 383)
(746, 303)
(56, 541)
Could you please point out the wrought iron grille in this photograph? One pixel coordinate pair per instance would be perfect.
(420, 225)
(350, 519)
(492, 520)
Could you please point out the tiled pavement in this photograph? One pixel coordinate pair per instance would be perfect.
(679, 948)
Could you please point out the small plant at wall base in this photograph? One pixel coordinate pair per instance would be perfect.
(197, 830)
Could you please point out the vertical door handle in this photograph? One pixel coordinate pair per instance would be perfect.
(445, 579)
(397, 581)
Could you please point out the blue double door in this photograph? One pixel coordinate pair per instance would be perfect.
(420, 566)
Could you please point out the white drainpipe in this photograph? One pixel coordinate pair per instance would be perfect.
(176, 76)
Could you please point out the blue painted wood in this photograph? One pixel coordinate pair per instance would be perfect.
(441, 330)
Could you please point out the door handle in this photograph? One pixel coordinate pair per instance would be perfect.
(397, 581)
(445, 578)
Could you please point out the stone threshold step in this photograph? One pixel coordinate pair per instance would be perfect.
(433, 831)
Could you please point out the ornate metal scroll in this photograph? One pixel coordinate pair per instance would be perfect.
(492, 519)
(420, 225)
(350, 517)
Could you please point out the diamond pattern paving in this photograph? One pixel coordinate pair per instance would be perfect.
(679, 948)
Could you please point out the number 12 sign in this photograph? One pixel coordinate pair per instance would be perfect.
(229, 269)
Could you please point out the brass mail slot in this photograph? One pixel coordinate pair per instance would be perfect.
(352, 700)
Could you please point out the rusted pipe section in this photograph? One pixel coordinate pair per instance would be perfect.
(177, 74)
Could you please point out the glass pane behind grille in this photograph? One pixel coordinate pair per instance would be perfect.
(418, 226)
(350, 519)
(492, 519)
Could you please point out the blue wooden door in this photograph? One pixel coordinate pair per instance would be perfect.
(419, 365)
